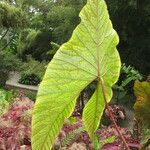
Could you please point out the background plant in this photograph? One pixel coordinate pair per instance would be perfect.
(142, 92)
(5, 100)
(15, 127)
(124, 86)
(8, 63)
(54, 49)
(141, 108)
(54, 22)
(133, 51)
(29, 79)
(32, 71)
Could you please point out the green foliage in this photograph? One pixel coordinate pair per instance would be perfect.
(22, 42)
(142, 105)
(31, 94)
(63, 20)
(35, 43)
(142, 111)
(32, 71)
(98, 144)
(11, 17)
(90, 55)
(5, 95)
(5, 99)
(32, 67)
(56, 21)
(28, 93)
(29, 79)
(8, 62)
(14, 44)
(131, 75)
(131, 20)
(47, 21)
(126, 80)
(54, 49)
(31, 36)
(67, 140)
(28, 40)
(146, 138)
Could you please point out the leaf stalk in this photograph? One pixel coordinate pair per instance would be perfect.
(112, 117)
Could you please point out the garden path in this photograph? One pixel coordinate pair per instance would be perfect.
(13, 82)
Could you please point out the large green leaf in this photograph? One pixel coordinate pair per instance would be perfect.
(89, 55)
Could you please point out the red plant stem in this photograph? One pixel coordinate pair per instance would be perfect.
(112, 117)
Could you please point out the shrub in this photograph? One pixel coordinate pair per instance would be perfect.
(8, 62)
(32, 71)
(134, 51)
(125, 84)
(5, 99)
(30, 94)
(12, 16)
(29, 79)
(35, 43)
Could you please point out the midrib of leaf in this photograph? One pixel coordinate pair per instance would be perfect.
(96, 105)
(98, 48)
(98, 62)
(97, 43)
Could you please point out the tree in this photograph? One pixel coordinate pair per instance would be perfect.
(131, 20)
(11, 19)
(63, 18)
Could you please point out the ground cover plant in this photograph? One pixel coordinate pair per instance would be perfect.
(15, 128)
